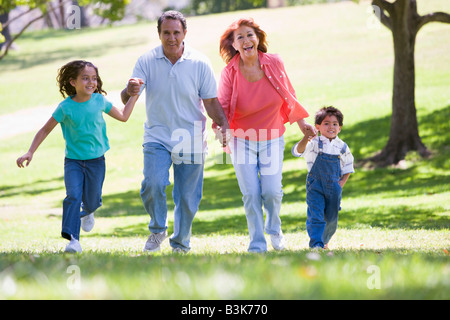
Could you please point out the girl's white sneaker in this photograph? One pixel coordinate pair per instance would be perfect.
(73, 246)
(87, 222)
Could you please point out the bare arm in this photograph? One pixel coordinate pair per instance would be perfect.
(38, 139)
(344, 179)
(133, 88)
(216, 113)
(310, 133)
(124, 114)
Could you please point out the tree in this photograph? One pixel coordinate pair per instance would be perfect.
(402, 18)
(113, 10)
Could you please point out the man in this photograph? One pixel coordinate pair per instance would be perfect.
(180, 85)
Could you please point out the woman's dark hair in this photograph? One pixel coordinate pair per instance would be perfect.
(329, 111)
(174, 15)
(70, 71)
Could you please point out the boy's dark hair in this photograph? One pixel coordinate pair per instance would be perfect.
(174, 15)
(329, 111)
(71, 71)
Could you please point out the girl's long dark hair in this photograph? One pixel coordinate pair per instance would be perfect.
(70, 71)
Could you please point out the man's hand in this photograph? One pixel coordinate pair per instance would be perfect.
(134, 86)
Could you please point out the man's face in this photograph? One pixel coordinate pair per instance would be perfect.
(172, 36)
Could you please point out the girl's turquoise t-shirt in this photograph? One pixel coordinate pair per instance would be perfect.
(83, 126)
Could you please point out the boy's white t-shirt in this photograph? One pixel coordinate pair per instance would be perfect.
(333, 147)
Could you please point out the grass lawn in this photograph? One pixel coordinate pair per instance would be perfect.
(393, 236)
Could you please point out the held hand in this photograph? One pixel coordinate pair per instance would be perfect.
(223, 135)
(309, 132)
(26, 157)
(134, 86)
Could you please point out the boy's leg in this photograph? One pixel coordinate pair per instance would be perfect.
(315, 223)
(332, 207)
(73, 180)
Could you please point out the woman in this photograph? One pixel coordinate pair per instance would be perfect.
(258, 99)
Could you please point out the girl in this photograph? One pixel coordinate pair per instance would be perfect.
(84, 131)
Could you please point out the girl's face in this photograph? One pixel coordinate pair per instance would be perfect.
(86, 82)
(329, 127)
(246, 41)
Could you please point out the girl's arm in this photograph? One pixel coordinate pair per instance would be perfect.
(124, 114)
(40, 136)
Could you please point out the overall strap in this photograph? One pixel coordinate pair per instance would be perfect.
(320, 146)
(344, 148)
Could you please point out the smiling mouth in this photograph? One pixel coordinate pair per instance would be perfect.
(248, 48)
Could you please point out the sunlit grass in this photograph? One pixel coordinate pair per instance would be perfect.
(393, 236)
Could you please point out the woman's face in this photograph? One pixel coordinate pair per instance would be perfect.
(246, 41)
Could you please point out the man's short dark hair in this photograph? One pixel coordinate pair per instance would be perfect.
(174, 15)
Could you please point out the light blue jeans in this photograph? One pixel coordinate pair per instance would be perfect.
(258, 166)
(187, 192)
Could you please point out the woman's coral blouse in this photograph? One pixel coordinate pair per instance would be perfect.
(232, 84)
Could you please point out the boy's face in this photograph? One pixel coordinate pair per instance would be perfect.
(329, 127)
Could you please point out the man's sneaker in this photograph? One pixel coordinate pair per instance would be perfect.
(73, 246)
(179, 251)
(277, 241)
(154, 241)
(87, 222)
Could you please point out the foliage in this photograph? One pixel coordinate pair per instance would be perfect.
(216, 6)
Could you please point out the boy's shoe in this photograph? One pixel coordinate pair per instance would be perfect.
(277, 241)
(73, 246)
(317, 249)
(154, 241)
(87, 222)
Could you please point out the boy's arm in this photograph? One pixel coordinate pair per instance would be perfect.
(38, 138)
(309, 134)
(344, 179)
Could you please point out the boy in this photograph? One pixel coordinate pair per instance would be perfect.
(329, 163)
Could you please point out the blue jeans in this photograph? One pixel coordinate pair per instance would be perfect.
(258, 166)
(323, 196)
(84, 183)
(187, 192)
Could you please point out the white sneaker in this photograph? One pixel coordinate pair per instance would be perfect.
(87, 222)
(277, 241)
(154, 241)
(73, 246)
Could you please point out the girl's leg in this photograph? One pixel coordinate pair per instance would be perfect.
(74, 180)
(94, 171)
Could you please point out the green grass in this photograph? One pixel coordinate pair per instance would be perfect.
(393, 228)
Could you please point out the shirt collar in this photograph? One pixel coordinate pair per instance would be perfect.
(263, 59)
(187, 52)
(326, 140)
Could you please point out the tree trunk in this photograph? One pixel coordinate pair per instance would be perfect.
(404, 134)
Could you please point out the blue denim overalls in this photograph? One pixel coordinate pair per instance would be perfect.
(323, 196)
